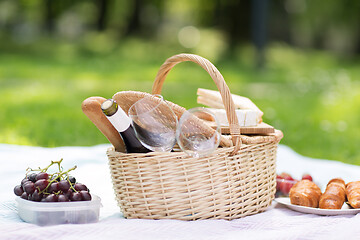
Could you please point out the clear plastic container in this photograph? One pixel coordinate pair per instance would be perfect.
(53, 213)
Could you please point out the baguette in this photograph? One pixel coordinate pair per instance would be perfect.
(305, 193)
(92, 109)
(353, 194)
(334, 195)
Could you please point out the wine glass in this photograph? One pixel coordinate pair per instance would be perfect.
(154, 123)
(193, 137)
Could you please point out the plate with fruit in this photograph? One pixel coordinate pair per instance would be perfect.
(46, 197)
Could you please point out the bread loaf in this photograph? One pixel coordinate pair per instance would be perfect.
(353, 194)
(334, 195)
(305, 193)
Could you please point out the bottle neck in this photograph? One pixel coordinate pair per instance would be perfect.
(109, 107)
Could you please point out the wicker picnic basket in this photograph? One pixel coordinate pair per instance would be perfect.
(232, 182)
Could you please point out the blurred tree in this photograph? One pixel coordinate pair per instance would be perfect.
(234, 18)
(304, 23)
(102, 18)
(333, 26)
(133, 25)
(279, 22)
(52, 10)
(144, 17)
(49, 15)
(259, 19)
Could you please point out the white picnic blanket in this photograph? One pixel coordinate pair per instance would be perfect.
(278, 222)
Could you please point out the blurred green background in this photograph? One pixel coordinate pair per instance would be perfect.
(298, 60)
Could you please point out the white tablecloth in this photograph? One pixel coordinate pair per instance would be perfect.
(277, 222)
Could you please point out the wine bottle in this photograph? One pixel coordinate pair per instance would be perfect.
(121, 122)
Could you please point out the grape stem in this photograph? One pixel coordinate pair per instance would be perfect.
(46, 168)
(59, 174)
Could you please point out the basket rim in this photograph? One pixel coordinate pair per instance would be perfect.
(246, 141)
(257, 139)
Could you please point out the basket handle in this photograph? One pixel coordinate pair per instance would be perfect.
(219, 81)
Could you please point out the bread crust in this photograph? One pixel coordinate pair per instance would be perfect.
(305, 193)
(92, 109)
(353, 194)
(334, 195)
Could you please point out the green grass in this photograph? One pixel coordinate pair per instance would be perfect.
(312, 96)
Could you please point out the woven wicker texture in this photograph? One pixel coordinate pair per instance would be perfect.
(230, 183)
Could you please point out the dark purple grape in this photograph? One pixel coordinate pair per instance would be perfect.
(51, 198)
(75, 196)
(56, 178)
(18, 190)
(63, 198)
(32, 177)
(42, 175)
(24, 195)
(53, 188)
(36, 196)
(85, 195)
(72, 179)
(41, 184)
(64, 185)
(80, 187)
(68, 193)
(24, 181)
(29, 187)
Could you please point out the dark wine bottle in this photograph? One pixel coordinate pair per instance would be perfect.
(121, 122)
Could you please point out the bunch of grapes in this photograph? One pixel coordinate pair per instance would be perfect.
(41, 186)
